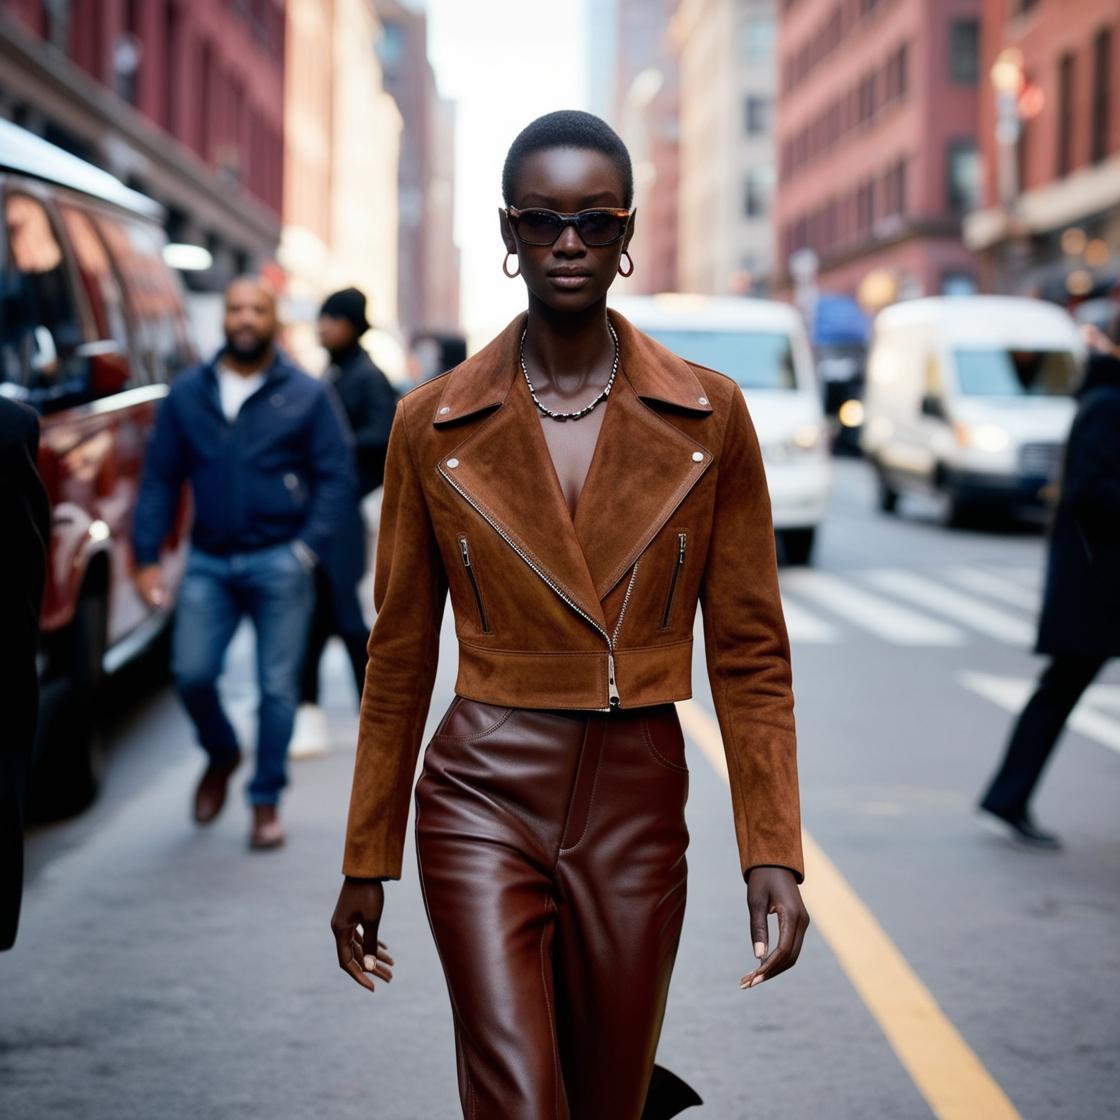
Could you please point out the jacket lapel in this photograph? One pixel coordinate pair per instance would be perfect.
(642, 469)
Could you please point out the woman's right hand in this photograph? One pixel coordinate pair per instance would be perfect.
(354, 923)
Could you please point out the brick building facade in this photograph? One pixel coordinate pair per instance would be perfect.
(1064, 171)
(182, 100)
(876, 138)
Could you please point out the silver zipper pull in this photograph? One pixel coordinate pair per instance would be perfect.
(612, 684)
(682, 538)
(465, 551)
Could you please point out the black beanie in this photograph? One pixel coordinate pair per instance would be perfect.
(347, 304)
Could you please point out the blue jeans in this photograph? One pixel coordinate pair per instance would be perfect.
(274, 589)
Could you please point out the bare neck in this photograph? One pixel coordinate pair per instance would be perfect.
(568, 350)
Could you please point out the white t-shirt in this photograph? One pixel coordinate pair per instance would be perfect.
(235, 389)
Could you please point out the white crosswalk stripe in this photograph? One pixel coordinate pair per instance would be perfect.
(1011, 693)
(805, 627)
(995, 587)
(894, 623)
(966, 609)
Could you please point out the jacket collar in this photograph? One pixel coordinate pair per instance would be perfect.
(483, 381)
(642, 469)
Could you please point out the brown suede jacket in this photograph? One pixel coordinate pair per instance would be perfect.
(556, 613)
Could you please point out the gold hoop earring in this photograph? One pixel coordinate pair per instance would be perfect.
(630, 271)
(505, 267)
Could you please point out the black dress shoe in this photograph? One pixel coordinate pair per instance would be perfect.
(1025, 831)
(668, 1095)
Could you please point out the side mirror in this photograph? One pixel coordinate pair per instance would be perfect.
(44, 353)
(932, 405)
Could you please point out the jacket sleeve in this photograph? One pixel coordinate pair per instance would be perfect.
(748, 655)
(410, 591)
(331, 471)
(1091, 483)
(379, 401)
(161, 484)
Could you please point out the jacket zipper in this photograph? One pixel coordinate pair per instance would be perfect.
(613, 699)
(682, 542)
(465, 552)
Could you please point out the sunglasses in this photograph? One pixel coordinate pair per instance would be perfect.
(543, 227)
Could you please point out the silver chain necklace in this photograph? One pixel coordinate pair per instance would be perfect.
(603, 393)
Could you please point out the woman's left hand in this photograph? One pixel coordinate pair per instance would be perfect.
(773, 890)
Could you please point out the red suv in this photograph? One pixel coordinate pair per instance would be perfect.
(92, 327)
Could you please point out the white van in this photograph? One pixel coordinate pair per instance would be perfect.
(763, 346)
(970, 397)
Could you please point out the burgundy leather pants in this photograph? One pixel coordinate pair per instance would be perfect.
(552, 858)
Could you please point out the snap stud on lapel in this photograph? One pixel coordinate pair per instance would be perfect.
(452, 463)
(445, 410)
(701, 400)
(698, 456)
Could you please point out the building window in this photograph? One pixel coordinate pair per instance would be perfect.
(964, 51)
(758, 115)
(894, 189)
(1065, 115)
(963, 176)
(758, 38)
(894, 80)
(1102, 51)
(756, 193)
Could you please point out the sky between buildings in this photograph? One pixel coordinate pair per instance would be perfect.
(503, 62)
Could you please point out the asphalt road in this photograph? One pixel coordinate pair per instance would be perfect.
(167, 972)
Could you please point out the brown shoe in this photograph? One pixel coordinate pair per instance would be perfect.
(267, 830)
(211, 793)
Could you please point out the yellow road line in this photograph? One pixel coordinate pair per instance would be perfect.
(941, 1064)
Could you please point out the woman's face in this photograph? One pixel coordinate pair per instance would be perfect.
(567, 275)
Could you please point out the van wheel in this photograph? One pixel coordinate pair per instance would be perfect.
(797, 545)
(887, 494)
(68, 753)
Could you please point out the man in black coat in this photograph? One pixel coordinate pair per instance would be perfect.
(1080, 624)
(369, 401)
(25, 515)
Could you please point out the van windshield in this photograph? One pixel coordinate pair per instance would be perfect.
(1016, 373)
(755, 359)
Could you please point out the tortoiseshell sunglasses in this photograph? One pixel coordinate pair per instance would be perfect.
(596, 228)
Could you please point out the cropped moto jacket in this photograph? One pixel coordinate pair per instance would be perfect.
(589, 612)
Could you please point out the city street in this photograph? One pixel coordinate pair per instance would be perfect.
(165, 972)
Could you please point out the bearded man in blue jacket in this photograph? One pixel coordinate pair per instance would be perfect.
(268, 460)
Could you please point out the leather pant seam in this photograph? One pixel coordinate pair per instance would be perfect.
(548, 909)
(481, 735)
(591, 799)
(658, 756)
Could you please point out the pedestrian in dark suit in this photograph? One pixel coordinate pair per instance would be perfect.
(25, 516)
(369, 401)
(1080, 623)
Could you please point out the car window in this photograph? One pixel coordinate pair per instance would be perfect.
(755, 359)
(40, 326)
(993, 372)
(161, 346)
(104, 293)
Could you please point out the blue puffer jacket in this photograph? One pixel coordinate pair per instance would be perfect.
(283, 470)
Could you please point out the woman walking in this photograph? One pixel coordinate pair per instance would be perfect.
(577, 489)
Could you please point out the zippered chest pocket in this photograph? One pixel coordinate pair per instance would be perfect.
(674, 576)
(472, 577)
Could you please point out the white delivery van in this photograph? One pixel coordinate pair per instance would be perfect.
(970, 397)
(763, 346)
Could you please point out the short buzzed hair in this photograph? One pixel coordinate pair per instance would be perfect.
(568, 128)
